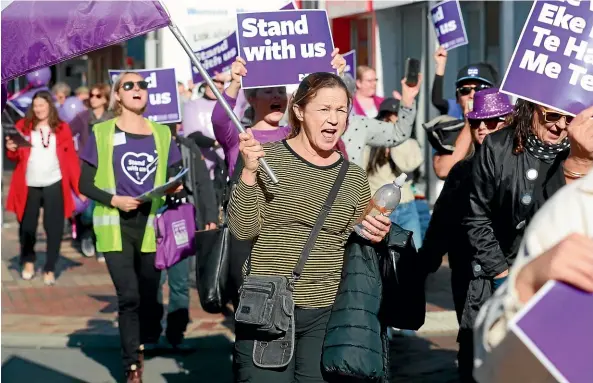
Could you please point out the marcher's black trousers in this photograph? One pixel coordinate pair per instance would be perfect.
(137, 284)
(52, 200)
(305, 366)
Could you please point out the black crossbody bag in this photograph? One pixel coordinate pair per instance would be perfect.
(266, 303)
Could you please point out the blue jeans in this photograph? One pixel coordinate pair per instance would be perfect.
(424, 214)
(406, 215)
(178, 308)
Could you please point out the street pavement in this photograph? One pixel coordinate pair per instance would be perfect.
(68, 332)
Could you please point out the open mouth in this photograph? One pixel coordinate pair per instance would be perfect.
(329, 134)
(276, 107)
(555, 133)
(136, 97)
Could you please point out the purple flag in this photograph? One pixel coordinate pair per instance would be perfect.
(282, 47)
(448, 24)
(21, 102)
(557, 326)
(163, 99)
(553, 61)
(38, 34)
(350, 58)
(217, 58)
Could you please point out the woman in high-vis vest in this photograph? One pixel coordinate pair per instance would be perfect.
(124, 158)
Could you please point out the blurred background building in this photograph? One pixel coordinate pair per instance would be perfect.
(383, 32)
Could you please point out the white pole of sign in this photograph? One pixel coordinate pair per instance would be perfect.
(227, 108)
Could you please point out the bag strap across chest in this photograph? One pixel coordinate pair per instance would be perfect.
(325, 209)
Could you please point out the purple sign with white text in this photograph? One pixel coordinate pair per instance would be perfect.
(283, 47)
(553, 61)
(21, 102)
(350, 58)
(557, 326)
(216, 58)
(163, 100)
(448, 24)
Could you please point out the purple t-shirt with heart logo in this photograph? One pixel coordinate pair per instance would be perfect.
(134, 161)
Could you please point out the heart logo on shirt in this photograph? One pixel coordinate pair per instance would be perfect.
(138, 166)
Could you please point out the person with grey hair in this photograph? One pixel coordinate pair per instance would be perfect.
(61, 92)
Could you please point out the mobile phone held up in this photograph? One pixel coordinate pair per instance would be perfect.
(412, 71)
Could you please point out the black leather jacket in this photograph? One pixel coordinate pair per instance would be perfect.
(445, 235)
(506, 191)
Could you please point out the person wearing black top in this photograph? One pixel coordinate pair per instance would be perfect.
(445, 235)
(470, 79)
(516, 170)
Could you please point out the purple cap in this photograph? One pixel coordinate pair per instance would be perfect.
(490, 103)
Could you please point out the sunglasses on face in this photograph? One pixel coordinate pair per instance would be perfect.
(467, 89)
(96, 95)
(491, 123)
(129, 85)
(553, 116)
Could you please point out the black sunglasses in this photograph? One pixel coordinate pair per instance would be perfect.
(96, 95)
(491, 123)
(551, 116)
(129, 85)
(467, 89)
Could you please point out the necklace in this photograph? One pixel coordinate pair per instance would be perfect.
(43, 142)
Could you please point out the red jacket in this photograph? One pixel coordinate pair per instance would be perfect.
(69, 166)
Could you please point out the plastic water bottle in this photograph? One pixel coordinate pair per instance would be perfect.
(383, 202)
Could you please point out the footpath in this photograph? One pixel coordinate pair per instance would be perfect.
(80, 311)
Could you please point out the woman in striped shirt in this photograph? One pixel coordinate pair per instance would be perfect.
(280, 217)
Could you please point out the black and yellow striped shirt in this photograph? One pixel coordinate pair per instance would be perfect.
(280, 218)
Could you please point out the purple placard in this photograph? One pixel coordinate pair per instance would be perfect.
(350, 58)
(216, 58)
(448, 24)
(163, 101)
(557, 326)
(21, 102)
(219, 57)
(553, 61)
(282, 47)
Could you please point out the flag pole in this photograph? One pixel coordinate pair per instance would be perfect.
(227, 108)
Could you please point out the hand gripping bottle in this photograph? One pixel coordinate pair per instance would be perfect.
(383, 202)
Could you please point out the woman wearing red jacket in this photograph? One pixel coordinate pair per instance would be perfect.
(46, 173)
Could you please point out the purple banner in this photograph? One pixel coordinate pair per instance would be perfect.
(553, 61)
(282, 47)
(448, 24)
(21, 102)
(350, 58)
(217, 58)
(557, 327)
(163, 100)
(38, 34)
